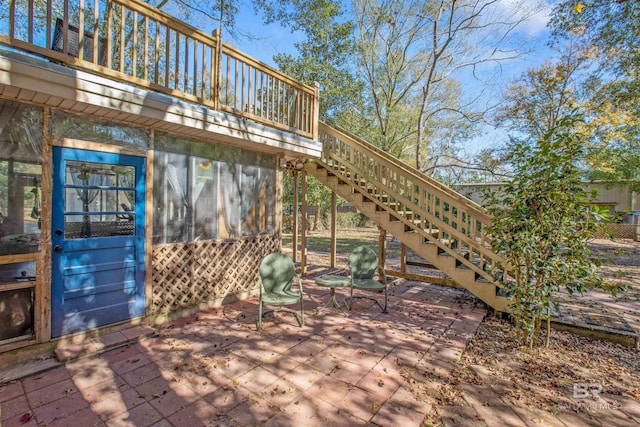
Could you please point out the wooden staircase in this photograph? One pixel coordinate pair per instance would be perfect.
(434, 221)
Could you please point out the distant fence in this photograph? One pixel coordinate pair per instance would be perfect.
(620, 231)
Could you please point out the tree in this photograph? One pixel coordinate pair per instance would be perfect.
(321, 54)
(613, 27)
(413, 52)
(612, 30)
(541, 97)
(541, 225)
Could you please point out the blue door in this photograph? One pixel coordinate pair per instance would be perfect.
(98, 262)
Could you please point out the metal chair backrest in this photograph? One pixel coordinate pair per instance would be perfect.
(363, 263)
(277, 272)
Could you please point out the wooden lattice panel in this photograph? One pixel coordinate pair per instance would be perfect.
(620, 231)
(187, 274)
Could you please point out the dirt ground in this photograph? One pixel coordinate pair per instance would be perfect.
(547, 380)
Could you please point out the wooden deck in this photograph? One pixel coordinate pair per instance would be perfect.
(135, 43)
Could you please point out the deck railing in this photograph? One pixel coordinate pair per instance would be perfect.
(133, 42)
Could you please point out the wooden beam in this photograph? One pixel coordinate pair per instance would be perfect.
(294, 217)
(382, 247)
(43, 265)
(148, 251)
(334, 212)
(303, 240)
(422, 278)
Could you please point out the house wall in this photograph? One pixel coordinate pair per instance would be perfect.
(189, 273)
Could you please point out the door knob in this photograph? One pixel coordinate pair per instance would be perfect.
(58, 248)
(58, 232)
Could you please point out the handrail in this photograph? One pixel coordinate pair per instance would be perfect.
(423, 203)
(407, 169)
(138, 44)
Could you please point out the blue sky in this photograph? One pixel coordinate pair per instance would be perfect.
(264, 41)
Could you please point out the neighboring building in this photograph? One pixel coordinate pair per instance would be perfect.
(618, 195)
(142, 180)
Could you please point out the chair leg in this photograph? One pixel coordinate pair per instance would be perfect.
(301, 313)
(350, 299)
(259, 321)
(384, 310)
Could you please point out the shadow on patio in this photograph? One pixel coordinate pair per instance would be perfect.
(342, 368)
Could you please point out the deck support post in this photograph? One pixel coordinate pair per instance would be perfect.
(382, 245)
(303, 237)
(334, 211)
(294, 217)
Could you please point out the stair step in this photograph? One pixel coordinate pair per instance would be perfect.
(407, 224)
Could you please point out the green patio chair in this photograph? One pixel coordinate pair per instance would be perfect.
(363, 263)
(276, 277)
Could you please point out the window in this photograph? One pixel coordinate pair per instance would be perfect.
(211, 191)
(20, 210)
(20, 178)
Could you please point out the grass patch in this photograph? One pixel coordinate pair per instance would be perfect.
(347, 239)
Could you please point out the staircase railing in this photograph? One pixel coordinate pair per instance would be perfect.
(442, 216)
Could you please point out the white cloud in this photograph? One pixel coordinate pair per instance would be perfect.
(535, 14)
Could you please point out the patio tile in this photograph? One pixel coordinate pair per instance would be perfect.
(380, 383)
(330, 389)
(84, 417)
(349, 372)
(139, 416)
(199, 413)
(257, 379)
(306, 350)
(406, 356)
(111, 403)
(252, 412)
(280, 365)
(393, 414)
(164, 423)
(231, 365)
(51, 393)
(281, 393)
(153, 388)
(361, 404)
(324, 362)
(215, 369)
(228, 397)
(304, 376)
(174, 400)
(141, 375)
(309, 412)
(59, 409)
(460, 416)
(10, 391)
(12, 410)
(204, 384)
(406, 397)
(87, 372)
(48, 378)
(120, 354)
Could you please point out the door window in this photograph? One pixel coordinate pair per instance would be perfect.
(99, 200)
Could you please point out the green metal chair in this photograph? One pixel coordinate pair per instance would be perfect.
(276, 277)
(363, 263)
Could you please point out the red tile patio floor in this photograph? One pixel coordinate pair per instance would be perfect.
(214, 368)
